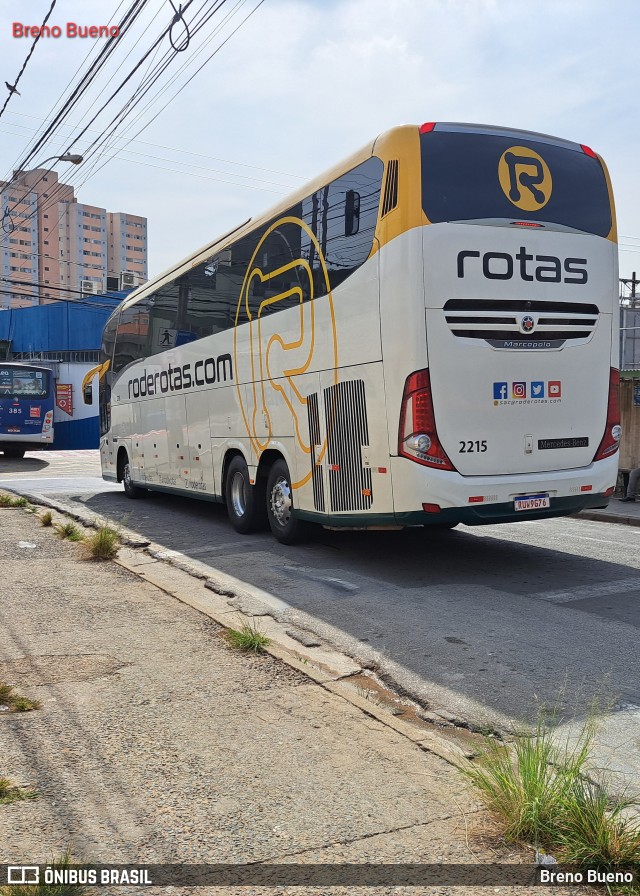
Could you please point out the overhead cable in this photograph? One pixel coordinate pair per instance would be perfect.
(13, 87)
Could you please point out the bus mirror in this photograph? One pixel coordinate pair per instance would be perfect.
(352, 213)
(87, 393)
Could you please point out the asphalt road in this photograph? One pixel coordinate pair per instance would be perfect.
(489, 622)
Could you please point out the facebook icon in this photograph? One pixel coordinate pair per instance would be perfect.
(499, 391)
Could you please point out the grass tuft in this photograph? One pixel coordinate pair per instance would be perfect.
(543, 795)
(597, 828)
(16, 702)
(249, 637)
(45, 889)
(69, 531)
(46, 518)
(11, 793)
(104, 544)
(11, 501)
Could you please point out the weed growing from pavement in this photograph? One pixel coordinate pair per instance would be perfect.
(10, 501)
(69, 531)
(46, 518)
(11, 793)
(104, 544)
(542, 792)
(248, 637)
(16, 702)
(45, 889)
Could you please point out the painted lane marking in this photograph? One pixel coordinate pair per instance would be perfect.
(315, 576)
(602, 589)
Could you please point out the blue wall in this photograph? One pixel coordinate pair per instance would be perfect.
(62, 326)
(76, 434)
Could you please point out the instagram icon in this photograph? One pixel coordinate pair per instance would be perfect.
(519, 390)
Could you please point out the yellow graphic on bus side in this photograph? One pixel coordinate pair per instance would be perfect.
(525, 178)
(269, 363)
(100, 369)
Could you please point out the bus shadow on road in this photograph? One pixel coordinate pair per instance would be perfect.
(496, 620)
(22, 465)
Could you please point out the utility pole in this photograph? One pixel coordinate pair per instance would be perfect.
(632, 286)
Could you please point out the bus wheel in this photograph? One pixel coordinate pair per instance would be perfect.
(130, 490)
(16, 453)
(245, 502)
(284, 525)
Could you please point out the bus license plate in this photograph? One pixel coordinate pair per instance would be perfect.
(531, 502)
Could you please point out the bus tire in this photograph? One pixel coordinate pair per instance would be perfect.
(284, 525)
(130, 489)
(245, 502)
(16, 453)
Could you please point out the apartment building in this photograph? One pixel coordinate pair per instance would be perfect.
(52, 246)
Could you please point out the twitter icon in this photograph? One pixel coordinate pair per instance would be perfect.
(537, 390)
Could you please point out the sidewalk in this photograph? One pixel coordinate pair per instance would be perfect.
(615, 512)
(157, 743)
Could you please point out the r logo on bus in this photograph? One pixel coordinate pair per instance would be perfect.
(525, 178)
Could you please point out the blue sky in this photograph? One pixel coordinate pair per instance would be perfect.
(304, 82)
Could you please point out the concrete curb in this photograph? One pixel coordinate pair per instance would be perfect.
(230, 602)
(604, 517)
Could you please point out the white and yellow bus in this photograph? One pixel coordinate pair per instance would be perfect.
(424, 335)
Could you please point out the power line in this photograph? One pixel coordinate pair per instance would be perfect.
(142, 89)
(135, 9)
(83, 303)
(175, 149)
(217, 49)
(37, 284)
(189, 173)
(67, 85)
(29, 55)
(129, 18)
(138, 94)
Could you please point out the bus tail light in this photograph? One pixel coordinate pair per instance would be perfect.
(48, 422)
(417, 436)
(432, 508)
(612, 430)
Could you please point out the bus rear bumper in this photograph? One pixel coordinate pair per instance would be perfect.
(481, 500)
(442, 498)
(490, 514)
(487, 515)
(18, 441)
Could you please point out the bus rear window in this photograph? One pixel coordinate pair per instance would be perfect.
(23, 383)
(470, 176)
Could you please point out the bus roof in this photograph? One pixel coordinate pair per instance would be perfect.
(320, 181)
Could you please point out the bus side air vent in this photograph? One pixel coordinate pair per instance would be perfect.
(347, 428)
(390, 199)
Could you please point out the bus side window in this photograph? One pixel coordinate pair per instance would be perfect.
(285, 281)
(343, 216)
(163, 319)
(131, 336)
(213, 291)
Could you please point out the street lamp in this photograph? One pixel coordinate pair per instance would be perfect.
(67, 157)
